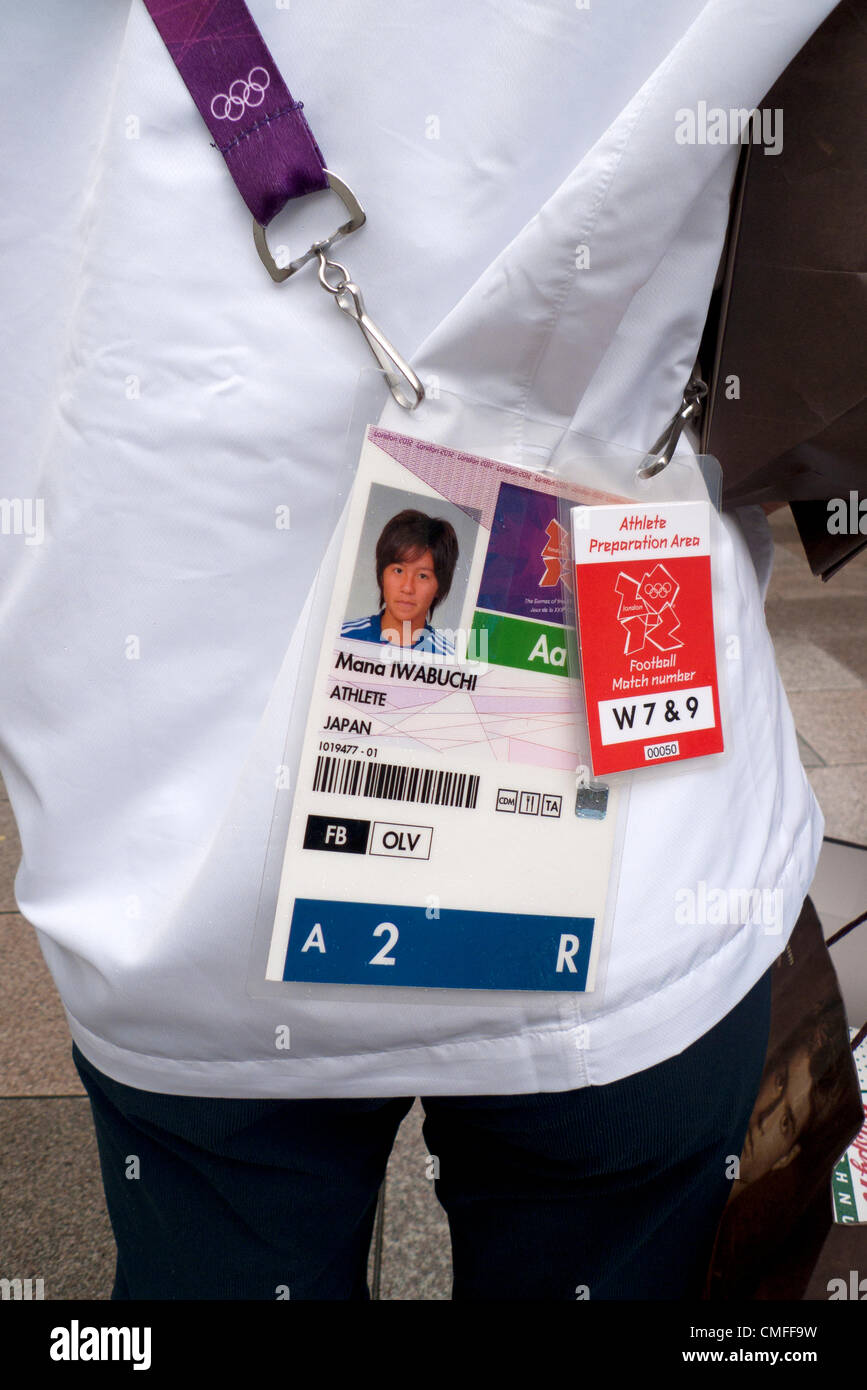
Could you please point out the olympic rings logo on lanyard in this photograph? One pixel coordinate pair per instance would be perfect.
(240, 95)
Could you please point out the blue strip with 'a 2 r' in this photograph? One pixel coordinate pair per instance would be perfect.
(386, 944)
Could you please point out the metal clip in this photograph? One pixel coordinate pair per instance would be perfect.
(660, 453)
(398, 373)
(402, 380)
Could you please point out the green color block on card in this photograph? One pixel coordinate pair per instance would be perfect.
(531, 646)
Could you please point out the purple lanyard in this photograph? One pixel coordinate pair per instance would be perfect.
(263, 135)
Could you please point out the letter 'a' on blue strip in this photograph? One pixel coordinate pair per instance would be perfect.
(390, 944)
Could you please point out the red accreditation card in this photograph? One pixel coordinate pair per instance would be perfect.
(645, 628)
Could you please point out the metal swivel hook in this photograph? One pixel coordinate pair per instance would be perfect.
(403, 382)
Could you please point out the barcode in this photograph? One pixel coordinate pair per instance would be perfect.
(396, 782)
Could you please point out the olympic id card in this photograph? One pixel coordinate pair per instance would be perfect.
(645, 622)
(437, 838)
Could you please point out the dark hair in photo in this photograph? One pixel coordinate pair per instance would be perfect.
(823, 1032)
(408, 535)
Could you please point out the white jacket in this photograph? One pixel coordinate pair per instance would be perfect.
(163, 398)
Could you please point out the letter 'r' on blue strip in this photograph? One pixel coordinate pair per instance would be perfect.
(390, 944)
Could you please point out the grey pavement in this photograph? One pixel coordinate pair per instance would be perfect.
(53, 1222)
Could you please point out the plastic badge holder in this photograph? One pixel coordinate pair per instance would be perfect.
(687, 479)
(399, 894)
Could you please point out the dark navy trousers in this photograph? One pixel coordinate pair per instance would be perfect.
(607, 1192)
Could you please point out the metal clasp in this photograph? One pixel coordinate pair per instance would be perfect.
(357, 218)
(405, 386)
(398, 373)
(660, 454)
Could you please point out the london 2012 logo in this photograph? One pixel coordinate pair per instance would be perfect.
(646, 610)
(555, 557)
(244, 92)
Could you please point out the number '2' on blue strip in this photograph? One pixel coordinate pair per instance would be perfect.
(390, 944)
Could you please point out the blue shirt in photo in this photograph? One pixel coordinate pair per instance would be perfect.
(370, 630)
